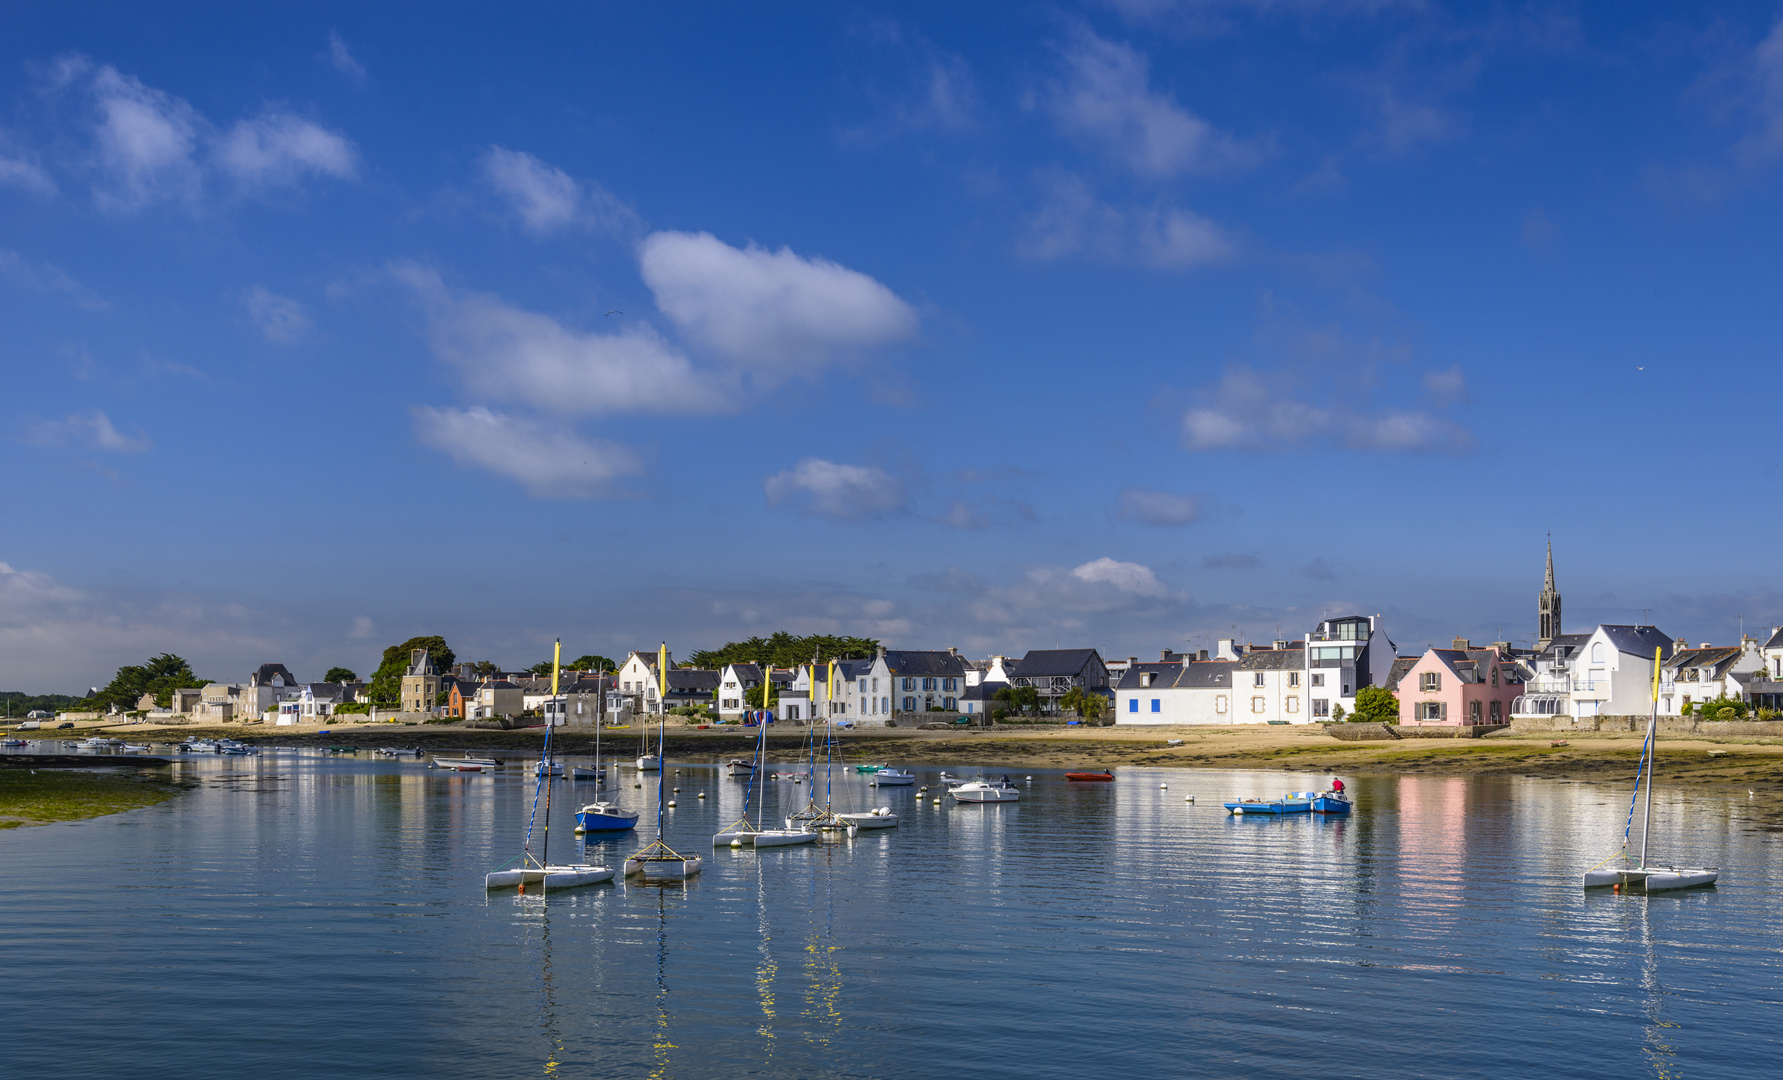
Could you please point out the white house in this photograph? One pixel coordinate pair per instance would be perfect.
(1342, 656)
(1270, 685)
(1608, 672)
(1187, 691)
(1693, 676)
(637, 683)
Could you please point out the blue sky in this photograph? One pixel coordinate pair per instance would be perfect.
(1118, 324)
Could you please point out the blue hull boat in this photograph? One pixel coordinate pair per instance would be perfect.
(605, 818)
(1298, 802)
(1330, 803)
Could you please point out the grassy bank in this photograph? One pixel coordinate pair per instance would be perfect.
(50, 795)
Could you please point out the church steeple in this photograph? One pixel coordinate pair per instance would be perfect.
(1548, 604)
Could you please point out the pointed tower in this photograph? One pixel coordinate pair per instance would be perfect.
(1548, 605)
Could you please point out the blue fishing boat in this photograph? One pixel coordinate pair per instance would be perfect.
(1295, 802)
(1331, 802)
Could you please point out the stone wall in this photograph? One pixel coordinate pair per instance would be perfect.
(1377, 732)
(1668, 725)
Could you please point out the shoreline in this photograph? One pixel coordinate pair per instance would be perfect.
(1599, 757)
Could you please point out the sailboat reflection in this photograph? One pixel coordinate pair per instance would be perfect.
(661, 1043)
(1659, 1050)
(821, 967)
(548, 1011)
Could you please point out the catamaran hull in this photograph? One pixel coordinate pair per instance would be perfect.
(1657, 880)
(764, 838)
(552, 877)
(663, 869)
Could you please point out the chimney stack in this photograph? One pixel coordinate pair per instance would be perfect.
(1462, 644)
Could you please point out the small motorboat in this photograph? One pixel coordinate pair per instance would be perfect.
(230, 744)
(739, 767)
(890, 777)
(99, 742)
(1090, 777)
(983, 791)
(544, 768)
(13, 744)
(604, 816)
(397, 751)
(459, 762)
(882, 818)
(744, 834)
(465, 766)
(649, 763)
(583, 772)
(552, 877)
(236, 750)
(1331, 802)
(868, 768)
(1298, 802)
(198, 746)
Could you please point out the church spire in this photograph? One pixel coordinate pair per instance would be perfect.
(1548, 604)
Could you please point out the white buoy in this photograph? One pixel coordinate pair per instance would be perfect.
(736, 841)
(702, 794)
(671, 804)
(1188, 798)
(1030, 778)
(676, 790)
(1163, 787)
(937, 802)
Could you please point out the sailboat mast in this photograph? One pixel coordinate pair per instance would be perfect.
(545, 760)
(662, 705)
(829, 732)
(1652, 730)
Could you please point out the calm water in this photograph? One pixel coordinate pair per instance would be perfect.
(305, 916)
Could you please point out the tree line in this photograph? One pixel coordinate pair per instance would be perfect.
(784, 650)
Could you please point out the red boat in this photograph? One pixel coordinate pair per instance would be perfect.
(1102, 776)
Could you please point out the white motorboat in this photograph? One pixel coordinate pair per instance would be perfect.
(583, 772)
(465, 766)
(554, 768)
(982, 791)
(1645, 877)
(563, 876)
(466, 760)
(882, 818)
(649, 763)
(99, 742)
(889, 777)
(230, 744)
(236, 750)
(133, 748)
(739, 767)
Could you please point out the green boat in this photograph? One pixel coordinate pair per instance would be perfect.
(868, 768)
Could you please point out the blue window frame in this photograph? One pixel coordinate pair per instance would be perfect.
(1155, 705)
(1132, 704)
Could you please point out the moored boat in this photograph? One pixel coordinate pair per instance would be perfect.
(551, 877)
(583, 772)
(882, 818)
(868, 768)
(982, 791)
(1090, 777)
(466, 760)
(1331, 802)
(649, 763)
(1298, 802)
(890, 777)
(739, 767)
(604, 816)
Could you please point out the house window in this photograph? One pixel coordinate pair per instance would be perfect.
(1293, 703)
(947, 684)
(1293, 678)
(1494, 678)
(948, 704)
(1432, 710)
(1429, 681)
(1257, 704)
(1497, 712)
(1321, 706)
(863, 688)
(909, 684)
(1157, 705)
(1219, 704)
(928, 684)
(1318, 679)
(1597, 652)
(1257, 679)
(909, 702)
(1132, 704)
(1473, 712)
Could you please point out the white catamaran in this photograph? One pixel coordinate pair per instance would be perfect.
(657, 861)
(1644, 876)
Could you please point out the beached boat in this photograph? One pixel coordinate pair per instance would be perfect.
(1643, 876)
(541, 870)
(1090, 777)
(1331, 802)
(882, 818)
(99, 742)
(890, 777)
(1298, 802)
(986, 791)
(13, 744)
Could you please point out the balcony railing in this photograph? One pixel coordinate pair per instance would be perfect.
(1563, 684)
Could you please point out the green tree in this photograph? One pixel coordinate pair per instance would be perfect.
(785, 650)
(1377, 705)
(1084, 703)
(592, 662)
(160, 675)
(1022, 699)
(1337, 713)
(386, 684)
(340, 674)
(484, 667)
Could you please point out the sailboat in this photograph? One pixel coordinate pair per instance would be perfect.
(657, 861)
(824, 818)
(540, 869)
(1644, 876)
(746, 833)
(602, 815)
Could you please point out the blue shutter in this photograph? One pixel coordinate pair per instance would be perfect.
(1132, 704)
(1156, 705)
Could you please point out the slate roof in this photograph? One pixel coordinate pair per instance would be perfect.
(1716, 659)
(683, 680)
(1397, 671)
(1204, 674)
(1563, 646)
(984, 691)
(1163, 674)
(1273, 660)
(1776, 640)
(1049, 663)
(1638, 640)
(936, 662)
(267, 671)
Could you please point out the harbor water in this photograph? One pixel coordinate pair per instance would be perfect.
(299, 915)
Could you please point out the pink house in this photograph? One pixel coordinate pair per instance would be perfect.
(1457, 687)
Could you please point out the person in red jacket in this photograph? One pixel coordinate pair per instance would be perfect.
(1337, 786)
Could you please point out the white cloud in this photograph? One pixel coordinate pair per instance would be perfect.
(550, 461)
(547, 199)
(1127, 577)
(508, 354)
(279, 318)
(276, 149)
(49, 279)
(841, 492)
(362, 627)
(1107, 97)
(775, 311)
(1160, 507)
(92, 429)
(342, 58)
(1072, 221)
(1253, 410)
(18, 170)
(145, 142)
